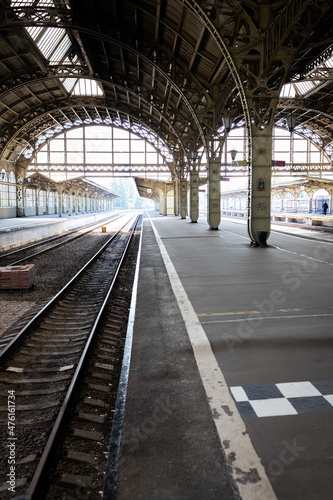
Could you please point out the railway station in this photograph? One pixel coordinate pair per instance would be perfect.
(182, 351)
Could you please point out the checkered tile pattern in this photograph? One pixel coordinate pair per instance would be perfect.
(291, 398)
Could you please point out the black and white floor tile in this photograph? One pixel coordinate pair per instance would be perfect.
(291, 398)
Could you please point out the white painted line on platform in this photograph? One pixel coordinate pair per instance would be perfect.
(319, 242)
(240, 320)
(236, 234)
(242, 458)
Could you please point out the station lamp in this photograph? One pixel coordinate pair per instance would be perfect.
(291, 122)
(194, 155)
(233, 153)
(227, 122)
(180, 169)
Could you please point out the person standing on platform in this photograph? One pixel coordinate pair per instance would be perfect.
(325, 207)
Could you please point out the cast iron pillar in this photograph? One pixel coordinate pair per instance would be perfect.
(183, 197)
(194, 196)
(259, 206)
(163, 201)
(214, 194)
(60, 204)
(176, 195)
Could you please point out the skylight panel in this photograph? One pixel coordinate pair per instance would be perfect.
(27, 3)
(69, 83)
(329, 62)
(304, 87)
(87, 87)
(54, 43)
(49, 41)
(61, 50)
(34, 31)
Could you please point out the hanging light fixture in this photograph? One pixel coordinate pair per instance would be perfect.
(227, 122)
(194, 155)
(180, 169)
(233, 153)
(291, 122)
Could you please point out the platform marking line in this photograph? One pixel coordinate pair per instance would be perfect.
(242, 459)
(280, 231)
(288, 398)
(321, 261)
(240, 320)
(238, 313)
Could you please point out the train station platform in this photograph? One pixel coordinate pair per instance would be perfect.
(19, 231)
(230, 391)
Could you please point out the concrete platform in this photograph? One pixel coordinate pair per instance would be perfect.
(230, 392)
(24, 230)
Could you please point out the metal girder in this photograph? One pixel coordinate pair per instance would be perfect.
(33, 122)
(174, 65)
(102, 168)
(282, 26)
(53, 21)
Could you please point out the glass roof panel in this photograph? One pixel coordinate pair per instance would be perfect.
(87, 87)
(329, 62)
(27, 3)
(69, 83)
(303, 87)
(82, 86)
(34, 31)
(60, 51)
(50, 40)
(288, 90)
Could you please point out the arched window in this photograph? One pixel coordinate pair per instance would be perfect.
(289, 202)
(30, 198)
(276, 203)
(4, 199)
(318, 199)
(303, 202)
(42, 201)
(12, 189)
(52, 203)
(65, 202)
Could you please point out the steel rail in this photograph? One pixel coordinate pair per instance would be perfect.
(8, 350)
(36, 485)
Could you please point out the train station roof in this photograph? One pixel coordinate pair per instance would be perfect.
(79, 184)
(175, 67)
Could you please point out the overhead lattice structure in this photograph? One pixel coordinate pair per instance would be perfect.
(176, 67)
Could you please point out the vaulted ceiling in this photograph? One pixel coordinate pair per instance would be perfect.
(172, 66)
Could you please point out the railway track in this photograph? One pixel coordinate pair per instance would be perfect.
(20, 255)
(75, 341)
